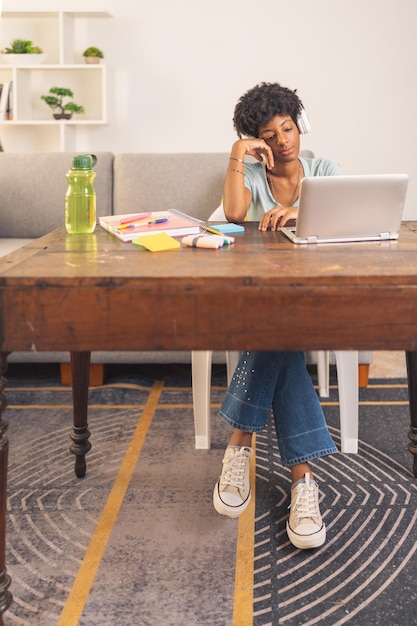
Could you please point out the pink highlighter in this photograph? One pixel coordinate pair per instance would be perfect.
(134, 218)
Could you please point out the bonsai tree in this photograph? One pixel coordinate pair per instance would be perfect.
(22, 46)
(93, 52)
(55, 99)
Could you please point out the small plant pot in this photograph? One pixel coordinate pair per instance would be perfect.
(22, 59)
(92, 60)
(62, 116)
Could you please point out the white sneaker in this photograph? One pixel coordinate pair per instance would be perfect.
(305, 527)
(231, 493)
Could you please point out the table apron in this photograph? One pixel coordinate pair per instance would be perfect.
(238, 317)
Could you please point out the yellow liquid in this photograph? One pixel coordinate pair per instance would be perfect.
(80, 214)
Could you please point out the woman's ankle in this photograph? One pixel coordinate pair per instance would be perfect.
(241, 438)
(299, 471)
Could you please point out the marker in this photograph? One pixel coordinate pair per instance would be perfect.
(134, 218)
(227, 240)
(160, 221)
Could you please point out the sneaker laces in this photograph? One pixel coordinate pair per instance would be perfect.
(305, 505)
(234, 468)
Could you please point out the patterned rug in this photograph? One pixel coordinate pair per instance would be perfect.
(364, 573)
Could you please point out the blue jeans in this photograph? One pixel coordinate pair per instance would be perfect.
(280, 380)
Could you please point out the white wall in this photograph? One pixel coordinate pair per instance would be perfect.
(177, 68)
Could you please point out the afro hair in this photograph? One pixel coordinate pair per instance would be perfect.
(261, 103)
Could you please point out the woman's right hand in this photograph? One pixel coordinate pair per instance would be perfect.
(256, 148)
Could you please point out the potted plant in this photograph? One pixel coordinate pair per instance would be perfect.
(55, 99)
(93, 55)
(22, 52)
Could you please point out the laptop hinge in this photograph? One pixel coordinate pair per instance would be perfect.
(312, 239)
(384, 236)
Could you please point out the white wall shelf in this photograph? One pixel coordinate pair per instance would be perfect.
(64, 66)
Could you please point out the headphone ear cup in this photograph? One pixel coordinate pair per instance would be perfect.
(303, 122)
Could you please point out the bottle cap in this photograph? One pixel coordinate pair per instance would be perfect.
(84, 162)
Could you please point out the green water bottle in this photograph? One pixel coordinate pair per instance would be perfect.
(80, 199)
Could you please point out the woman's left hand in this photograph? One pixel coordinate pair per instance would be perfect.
(277, 217)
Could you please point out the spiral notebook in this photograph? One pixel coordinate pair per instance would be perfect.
(339, 209)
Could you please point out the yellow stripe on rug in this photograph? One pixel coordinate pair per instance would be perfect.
(243, 596)
(83, 582)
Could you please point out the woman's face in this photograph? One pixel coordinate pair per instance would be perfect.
(282, 136)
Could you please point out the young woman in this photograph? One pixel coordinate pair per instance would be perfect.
(268, 120)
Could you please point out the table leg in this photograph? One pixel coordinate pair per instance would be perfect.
(5, 595)
(80, 365)
(411, 360)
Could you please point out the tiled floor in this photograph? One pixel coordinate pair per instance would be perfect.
(388, 365)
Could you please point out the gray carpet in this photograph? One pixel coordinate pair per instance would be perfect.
(170, 558)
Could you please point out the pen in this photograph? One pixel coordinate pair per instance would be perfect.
(160, 221)
(212, 230)
(132, 226)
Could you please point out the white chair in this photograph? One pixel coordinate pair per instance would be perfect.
(347, 376)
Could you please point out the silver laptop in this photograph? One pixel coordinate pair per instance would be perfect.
(338, 209)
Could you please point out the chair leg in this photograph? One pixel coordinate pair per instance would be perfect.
(201, 383)
(232, 359)
(347, 377)
(323, 373)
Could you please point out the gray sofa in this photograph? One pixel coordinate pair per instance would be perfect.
(32, 196)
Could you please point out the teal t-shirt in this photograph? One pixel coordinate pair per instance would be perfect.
(256, 182)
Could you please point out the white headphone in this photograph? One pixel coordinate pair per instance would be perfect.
(303, 122)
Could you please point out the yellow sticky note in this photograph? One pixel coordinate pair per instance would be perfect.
(157, 242)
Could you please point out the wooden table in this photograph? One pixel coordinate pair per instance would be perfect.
(93, 292)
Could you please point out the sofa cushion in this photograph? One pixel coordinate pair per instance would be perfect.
(192, 183)
(106, 357)
(33, 187)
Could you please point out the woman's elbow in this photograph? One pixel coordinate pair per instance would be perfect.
(235, 215)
